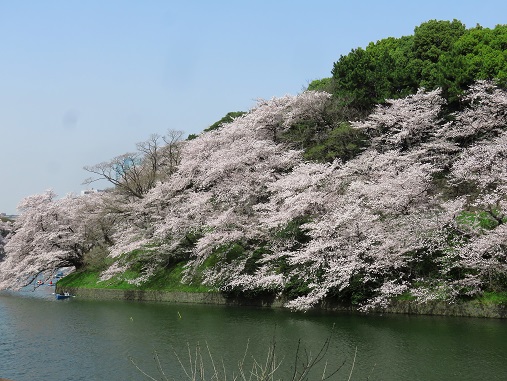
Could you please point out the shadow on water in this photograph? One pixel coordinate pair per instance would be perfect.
(42, 338)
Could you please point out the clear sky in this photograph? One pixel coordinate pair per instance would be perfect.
(83, 81)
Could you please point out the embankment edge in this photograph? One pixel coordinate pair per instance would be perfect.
(464, 309)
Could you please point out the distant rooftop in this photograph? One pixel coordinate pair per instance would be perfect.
(8, 216)
(90, 191)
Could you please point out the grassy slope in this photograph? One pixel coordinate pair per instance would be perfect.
(167, 280)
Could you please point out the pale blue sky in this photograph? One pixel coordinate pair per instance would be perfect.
(83, 81)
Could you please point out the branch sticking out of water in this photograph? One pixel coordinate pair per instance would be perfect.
(203, 367)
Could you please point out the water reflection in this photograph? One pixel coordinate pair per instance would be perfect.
(42, 338)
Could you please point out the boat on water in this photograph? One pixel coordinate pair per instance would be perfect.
(65, 295)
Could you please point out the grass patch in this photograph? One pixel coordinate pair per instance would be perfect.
(164, 280)
(81, 279)
(493, 297)
(406, 296)
(170, 280)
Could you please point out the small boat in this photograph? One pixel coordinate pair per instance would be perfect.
(65, 295)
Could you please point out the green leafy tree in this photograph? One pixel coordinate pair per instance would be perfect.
(323, 84)
(440, 54)
(433, 38)
(229, 117)
(343, 142)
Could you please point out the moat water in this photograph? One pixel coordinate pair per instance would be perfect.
(46, 339)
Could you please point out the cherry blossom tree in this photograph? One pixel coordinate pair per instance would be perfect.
(421, 211)
(367, 229)
(356, 209)
(387, 222)
(482, 168)
(50, 234)
(222, 174)
(403, 123)
(381, 224)
(5, 229)
(484, 118)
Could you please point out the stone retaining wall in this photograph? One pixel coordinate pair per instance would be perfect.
(169, 296)
(466, 309)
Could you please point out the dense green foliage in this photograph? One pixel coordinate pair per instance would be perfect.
(439, 54)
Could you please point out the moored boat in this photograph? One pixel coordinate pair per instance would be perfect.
(65, 295)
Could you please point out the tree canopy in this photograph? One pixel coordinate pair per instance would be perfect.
(311, 196)
(440, 54)
(420, 211)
